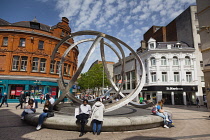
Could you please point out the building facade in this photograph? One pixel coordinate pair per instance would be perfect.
(171, 73)
(204, 25)
(183, 28)
(25, 63)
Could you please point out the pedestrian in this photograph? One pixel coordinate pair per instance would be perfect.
(141, 100)
(29, 108)
(97, 116)
(47, 112)
(47, 96)
(0, 97)
(160, 112)
(197, 103)
(21, 100)
(42, 98)
(4, 100)
(52, 100)
(35, 101)
(84, 113)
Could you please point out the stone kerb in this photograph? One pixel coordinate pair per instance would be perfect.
(65, 122)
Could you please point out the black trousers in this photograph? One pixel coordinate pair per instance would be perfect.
(83, 118)
(4, 101)
(20, 104)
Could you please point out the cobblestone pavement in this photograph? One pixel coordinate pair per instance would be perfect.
(191, 123)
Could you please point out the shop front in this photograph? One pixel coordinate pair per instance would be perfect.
(173, 95)
(13, 88)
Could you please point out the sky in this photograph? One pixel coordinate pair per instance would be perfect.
(126, 20)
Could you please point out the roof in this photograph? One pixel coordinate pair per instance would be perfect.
(163, 45)
(26, 24)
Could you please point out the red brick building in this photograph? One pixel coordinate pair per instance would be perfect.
(25, 50)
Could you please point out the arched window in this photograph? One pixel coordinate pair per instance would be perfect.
(153, 61)
(187, 60)
(175, 60)
(163, 60)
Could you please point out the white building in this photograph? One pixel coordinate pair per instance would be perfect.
(171, 72)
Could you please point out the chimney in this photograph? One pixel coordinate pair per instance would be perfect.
(143, 44)
(64, 19)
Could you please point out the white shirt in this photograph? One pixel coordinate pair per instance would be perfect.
(52, 101)
(85, 109)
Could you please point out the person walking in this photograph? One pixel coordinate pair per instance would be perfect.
(197, 103)
(47, 112)
(47, 96)
(97, 116)
(84, 112)
(0, 96)
(4, 100)
(21, 100)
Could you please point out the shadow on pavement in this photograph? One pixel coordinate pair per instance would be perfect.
(192, 108)
(147, 138)
(11, 127)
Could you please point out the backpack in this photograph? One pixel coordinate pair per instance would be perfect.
(154, 110)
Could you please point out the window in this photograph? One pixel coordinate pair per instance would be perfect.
(201, 63)
(146, 79)
(69, 72)
(152, 46)
(202, 79)
(187, 60)
(15, 63)
(153, 76)
(62, 34)
(175, 61)
(164, 76)
(5, 41)
(188, 76)
(52, 67)
(65, 67)
(23, 63)
(43, 65)
(35, 64)
(163, 61)
(128, 76)
(22, 42)
(133, 75)
(176, 76)
(133, 85)
(41, 45)
(35, 25)
(153, 62)
(57, 67)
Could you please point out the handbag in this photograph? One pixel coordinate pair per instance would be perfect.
(29, 111)
(50, 114)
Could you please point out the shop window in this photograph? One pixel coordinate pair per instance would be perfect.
(41, 45)
(22, 42)
(187, 60)
(175, 61)
(3, 62)
(5, 41)
(52, 66)
(176, 76)
(57, 67)
(23, 63)
(163, 61)
(153, 61)
(43, 65)
(15, 63)
(164, 76)
(189, 76)
(153, 77)
(35, 64)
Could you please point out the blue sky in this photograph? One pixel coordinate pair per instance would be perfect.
(125, 19)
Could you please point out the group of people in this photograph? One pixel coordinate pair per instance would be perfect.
(95, 113)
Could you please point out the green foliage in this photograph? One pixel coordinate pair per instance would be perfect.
(93, 78)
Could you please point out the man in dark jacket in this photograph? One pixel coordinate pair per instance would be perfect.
(4, 100)
(21, 100)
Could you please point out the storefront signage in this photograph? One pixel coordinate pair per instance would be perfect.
(18, 91)
(12, 92)
(171, 88)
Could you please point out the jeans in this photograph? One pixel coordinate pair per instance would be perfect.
(97, 126)
(41, 118)
(163, 116)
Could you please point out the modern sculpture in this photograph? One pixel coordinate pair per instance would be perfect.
(100, 40)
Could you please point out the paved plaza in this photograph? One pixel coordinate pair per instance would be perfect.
(191, 123)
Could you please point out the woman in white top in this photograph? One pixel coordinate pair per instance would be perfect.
(97, 116)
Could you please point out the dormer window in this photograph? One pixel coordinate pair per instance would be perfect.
(152, 43)
(152, 46)
(35, 25)
(178, 45)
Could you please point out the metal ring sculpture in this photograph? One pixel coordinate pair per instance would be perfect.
(99, 39)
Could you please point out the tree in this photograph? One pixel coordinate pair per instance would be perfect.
(93, 78)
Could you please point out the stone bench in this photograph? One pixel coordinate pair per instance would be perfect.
(110, 124)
